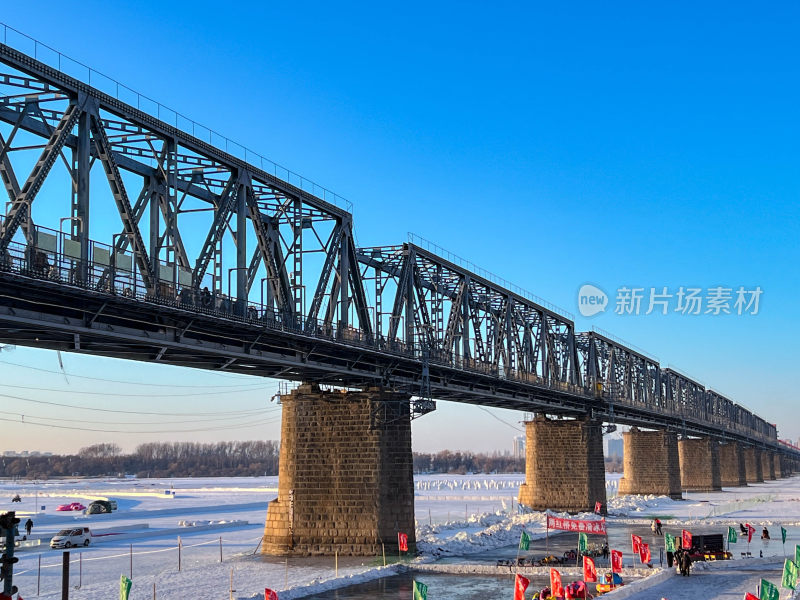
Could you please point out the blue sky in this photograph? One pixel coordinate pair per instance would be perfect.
(631, 144)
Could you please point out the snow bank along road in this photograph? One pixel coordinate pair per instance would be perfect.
(457, 516)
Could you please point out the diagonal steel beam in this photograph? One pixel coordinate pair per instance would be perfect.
(269, 249)
(324, 278)
(130, 226)
(20, 207)
(221, 216)
(357, 285)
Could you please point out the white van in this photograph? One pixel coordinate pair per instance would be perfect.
(67, 538)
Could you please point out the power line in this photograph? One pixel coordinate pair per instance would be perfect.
(116, 394)
(131, 382)
(227, 427)
(499, 419)
(203, 420)
(128, 412)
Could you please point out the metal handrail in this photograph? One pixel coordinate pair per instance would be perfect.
(50, 56)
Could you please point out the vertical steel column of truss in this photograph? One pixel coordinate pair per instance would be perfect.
(466, 300)
(241, 244)
(155, 230)
(344, 271)
(297, 253)
(80, 208)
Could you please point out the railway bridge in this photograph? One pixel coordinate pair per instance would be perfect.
(223, 260)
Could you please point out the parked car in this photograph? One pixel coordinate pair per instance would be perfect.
(101, 506)
(67, 538)
(71, 506)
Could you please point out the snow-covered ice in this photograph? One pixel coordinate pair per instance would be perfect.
(457, 515)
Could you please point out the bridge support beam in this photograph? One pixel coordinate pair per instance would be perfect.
(699, 461)
(776, 465)
(346, 474)
(752, 465)
(731, 465)
(564, 466)
(651, 464)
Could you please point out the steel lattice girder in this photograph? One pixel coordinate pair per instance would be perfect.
(173, 166)
(486, 344)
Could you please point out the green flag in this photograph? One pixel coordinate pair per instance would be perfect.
(420, 591)
(669, 542)
(524, 541)
(783, 535)
(769, 591)
(789, 580)
(124, 587)
(797, 555)
(732, 536)
(583, 542)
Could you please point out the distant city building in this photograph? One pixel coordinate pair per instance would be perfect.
(518, 447)
(615, 448)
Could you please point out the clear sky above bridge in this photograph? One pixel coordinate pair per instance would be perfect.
(629, 147)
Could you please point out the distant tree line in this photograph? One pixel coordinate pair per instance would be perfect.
(226, 459)
(467, 462)
(160, 459)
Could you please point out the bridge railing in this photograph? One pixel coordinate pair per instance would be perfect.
(56, 258)
(53, 58)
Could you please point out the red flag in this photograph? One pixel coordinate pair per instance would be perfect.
(270, 594)
(520, 585)
(686, 540)
(556, 588)
(616, 561)
(636, 541)
(750, 531)
(749, 596)
(589, 572)
(644, 553)
(402, 542)
(598, 507)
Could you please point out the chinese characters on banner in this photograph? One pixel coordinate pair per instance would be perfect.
(644, 553)
(270, 594)
(636, 543)
(402, 542)
(616, 561)
(598, 507)
(577, 525)
(555, 584)
(589, 570)
(686, 540)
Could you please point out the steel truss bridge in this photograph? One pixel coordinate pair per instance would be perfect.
(217, 263)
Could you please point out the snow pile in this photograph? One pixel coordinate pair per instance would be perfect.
(203, 523)
(323, 585)
(483, 532)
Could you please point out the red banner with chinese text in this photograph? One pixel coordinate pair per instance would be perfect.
(579, 525)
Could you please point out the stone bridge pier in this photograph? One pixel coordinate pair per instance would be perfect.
(731, 463)
(700, 466)
(753, 467)
(564, 466)
(651, 463)
(346, 474)
(768, 465)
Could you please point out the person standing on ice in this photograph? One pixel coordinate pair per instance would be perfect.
(28, 526)
(658, 526)
(686, 564)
